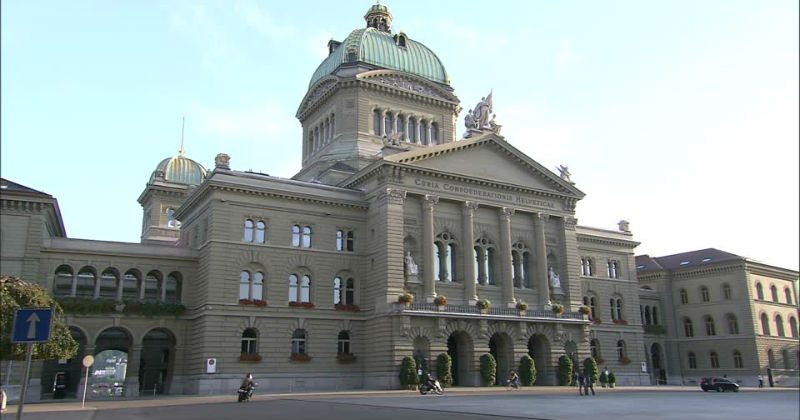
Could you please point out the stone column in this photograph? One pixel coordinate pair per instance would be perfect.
(504, 259)
(132, 371)
(405, 128)
(74, 289)
(428, 254)
(383, 122)
(468, 268)
(540, 274)
(163, 296)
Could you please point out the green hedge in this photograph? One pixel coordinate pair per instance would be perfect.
(488, 369)
(590, 369)
(84, 306)
(564, 370)
(527, 370)
(408, 372)
(444, 369)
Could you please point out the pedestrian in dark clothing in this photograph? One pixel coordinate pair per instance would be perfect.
(588, 383)
(580, 383)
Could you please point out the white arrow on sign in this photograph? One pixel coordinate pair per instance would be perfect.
(32, 320)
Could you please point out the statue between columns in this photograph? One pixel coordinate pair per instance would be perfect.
(412, 269)
(555, 280)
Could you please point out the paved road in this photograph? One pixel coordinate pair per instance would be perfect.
(555, 403)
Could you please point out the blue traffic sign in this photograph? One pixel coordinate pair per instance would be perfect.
(31, 325)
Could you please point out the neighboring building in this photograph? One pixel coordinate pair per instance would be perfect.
(297, 280)
(713, 313)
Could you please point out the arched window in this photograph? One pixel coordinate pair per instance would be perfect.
(401, 126)
(109, 284)
(434, 133)
(737, 359)
(622, 350)
(296, 235)
(248, 231)
(704, 294)
(130, 285)
(305, 289)
(423, 132)
(63, 281)
(343, 343)
(655, 315)
(774, 291)
(293, 288)
(172, 292)
(594, 347)
(520, 258)
(345, 240)
(727, 294)
(258, 286)
(306, 237)
(244, 285)
(616, 309)
(692, 360)
(350, 292)
(389, 123)
(714, 357)
(684, 297)
(793, 326)
(412, 130)
(710, 328)
(484, 256)
(261, 232)
(788, 294)
(688, 329)
(376, 122)
(759, 291)
(249, 341)
(85, 284)
(444, 265)
(299, 342)
(170, 217)
(647, 319)
(733, 324)
(593, 307)
(152, 286)
(337, 290)
(779, 326)
(764, 324)
(587, 266)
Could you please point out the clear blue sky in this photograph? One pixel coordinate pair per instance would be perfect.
(679, 116)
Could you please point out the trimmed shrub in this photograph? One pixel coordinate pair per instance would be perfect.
(603, 379)
(612, 379)
(564, 370)
(444, 369)
(590, 368)
(488, 369)
(527, 370)
(408, 372)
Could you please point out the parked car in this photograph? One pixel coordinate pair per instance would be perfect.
(718, 384)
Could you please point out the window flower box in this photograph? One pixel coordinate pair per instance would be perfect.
(406, 298)
(558, 308)
(440, 300)
(624, 361)
(345, 358)
(483, 305)
(259, 302)
(300, 357)
(620, 322)
(249, 357)
(307, 305)
(245, 301)
(350, 308)
(596, 320)
(584, 310)
(522, 306)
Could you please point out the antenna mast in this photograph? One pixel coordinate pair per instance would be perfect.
(183, 124)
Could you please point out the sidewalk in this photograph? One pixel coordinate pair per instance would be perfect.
(170, 400)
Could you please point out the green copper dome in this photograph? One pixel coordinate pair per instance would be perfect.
(180, 170)
(385, 50)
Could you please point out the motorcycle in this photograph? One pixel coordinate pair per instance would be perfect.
(431, 386)
(512, 384)
(246, 394)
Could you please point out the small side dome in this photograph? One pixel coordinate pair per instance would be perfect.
(179, 170)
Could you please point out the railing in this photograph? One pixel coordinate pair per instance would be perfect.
(470, 309)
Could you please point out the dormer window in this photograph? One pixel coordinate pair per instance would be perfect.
(400, 39)
(332, 46)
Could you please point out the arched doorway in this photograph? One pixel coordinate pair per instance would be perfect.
(71, 368)
(539, 350)
(459, 347)
(657, 361)
(422, 353)
(572, 352)
(110, 363)
(502, 348)
(154, 368)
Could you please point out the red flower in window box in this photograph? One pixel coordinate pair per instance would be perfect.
(245, 302)
(620, 322)
(307, 305)
(259, 302)
(597, 320)
(300, 357)
(250, 357)
(342, 307)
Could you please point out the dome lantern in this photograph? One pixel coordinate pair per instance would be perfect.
(378, 17)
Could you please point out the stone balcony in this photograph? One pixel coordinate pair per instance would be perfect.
(495, 314)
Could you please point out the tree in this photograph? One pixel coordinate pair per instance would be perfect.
(590, 368)
(564, 370)
(444, 369)
(527, 370)
(408, 372)
(488, 369)
(18, 294)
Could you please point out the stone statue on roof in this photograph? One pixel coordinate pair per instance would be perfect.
(564, 173)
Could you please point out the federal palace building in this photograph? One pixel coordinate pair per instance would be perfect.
(387, 243)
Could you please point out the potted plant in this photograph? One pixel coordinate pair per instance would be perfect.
(612, 380)
(440, 300)
(483, 305)
(584, 310)
(597, 320)
(603, 379)
(558, 308)
(522, 307)
(406, 298)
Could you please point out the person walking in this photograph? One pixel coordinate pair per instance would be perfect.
(588, 383)
(580, 382)
(760, 381)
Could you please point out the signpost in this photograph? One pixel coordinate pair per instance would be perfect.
(31, 325)
(88, 361)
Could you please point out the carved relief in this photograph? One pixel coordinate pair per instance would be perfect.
(392, 194)
(429, 201)
(317, 93)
